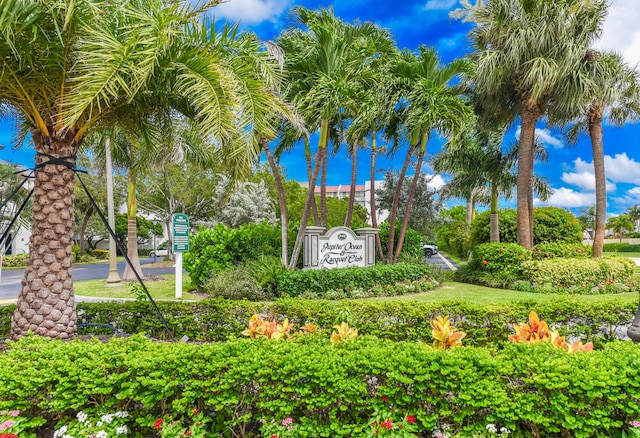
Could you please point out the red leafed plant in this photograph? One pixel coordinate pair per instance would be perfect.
(538, 331)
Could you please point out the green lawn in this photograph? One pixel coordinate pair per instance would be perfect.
(486, 295)
(159, 289)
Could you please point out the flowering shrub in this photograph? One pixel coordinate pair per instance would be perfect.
(387, 421)
(194, 427)
(634, 431)
(500, 257)
(445, 336)
(279, 429)
(538, 331)
(14, 425)
(102, 426)
(258, 328)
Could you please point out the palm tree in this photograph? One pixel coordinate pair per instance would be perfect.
(621, 225)
(425, 102)
(320, 72)
(71, 68)
(634, 215)
(526, 54)
(617, 88)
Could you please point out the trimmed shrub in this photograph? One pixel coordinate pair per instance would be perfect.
(326, 390)
(234, 284)
(500, 257)
(550, 224)
(321, 281)
(620, 247)
(103, 254)
(599, 320)
(583, 274)
(14, 260)
(563, 250)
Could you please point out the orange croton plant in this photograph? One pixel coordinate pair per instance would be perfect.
(445, 335)
(258, 328)
(538, 331)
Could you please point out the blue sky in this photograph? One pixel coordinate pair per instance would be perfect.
(415, 22)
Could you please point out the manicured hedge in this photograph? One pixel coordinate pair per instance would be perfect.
(620, 247)
(14, 260)
(250, 386)
(579, 272)
(601, 319)
(321, 281)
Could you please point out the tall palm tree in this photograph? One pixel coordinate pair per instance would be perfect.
(425, 102)
(320, 73)
(616, 87)
(526, 54)
(71, 68)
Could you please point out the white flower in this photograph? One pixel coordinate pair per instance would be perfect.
(122, 414)
(58, 433)
(99, 424)
(82, 417)
(101, 434)
(505, 431)
(107, 418)
(66, 436)
(122, 430)
(492, 428)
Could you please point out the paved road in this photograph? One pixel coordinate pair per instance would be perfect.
(10, 281)
(443, 262)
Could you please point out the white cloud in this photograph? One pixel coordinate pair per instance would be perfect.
(621, 168)
(251, 11)
(629, 198)
(439, 5)
(435, 181)
(621, 32)
(544, 136)
(585, 181)
(568, 198)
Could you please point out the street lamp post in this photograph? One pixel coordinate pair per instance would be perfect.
(155, 252)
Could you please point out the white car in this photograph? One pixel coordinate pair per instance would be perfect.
(429, 250)
(161, 251)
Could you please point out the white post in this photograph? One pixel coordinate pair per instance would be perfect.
(178, 266)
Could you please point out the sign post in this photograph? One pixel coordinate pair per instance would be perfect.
(180, 244)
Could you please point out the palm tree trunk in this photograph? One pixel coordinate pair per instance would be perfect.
(372, 193)
(322, 151)
(46, 303)
(323, 189)
(494, 222)
(314, 206)
(412, 191)
(525, 173)
(595, 133)
(281, 200)
(132, 232)
(352, 188)
(469, 212)
(83, 229)
(394, 206)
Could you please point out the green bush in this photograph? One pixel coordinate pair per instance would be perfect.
(234, 284)
(580, 275)
(550, 225)
(14, 260)
(599, 320)
(103, 254)
(213, 250)
(563, 250)
(499, 257)
(321, 281)
(327, 390)
(620, 247)
(453, 238)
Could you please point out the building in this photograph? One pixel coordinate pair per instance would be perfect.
(362, 195)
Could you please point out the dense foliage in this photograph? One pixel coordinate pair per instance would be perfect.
(316, 388)
(550, 225)
(621, 247)
(412, 240)
(600, 319)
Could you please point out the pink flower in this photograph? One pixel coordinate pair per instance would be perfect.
(635, 423)
(287, 421)
(14, 413)
(6, 425)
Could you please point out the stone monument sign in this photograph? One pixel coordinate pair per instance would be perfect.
(339, 247)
